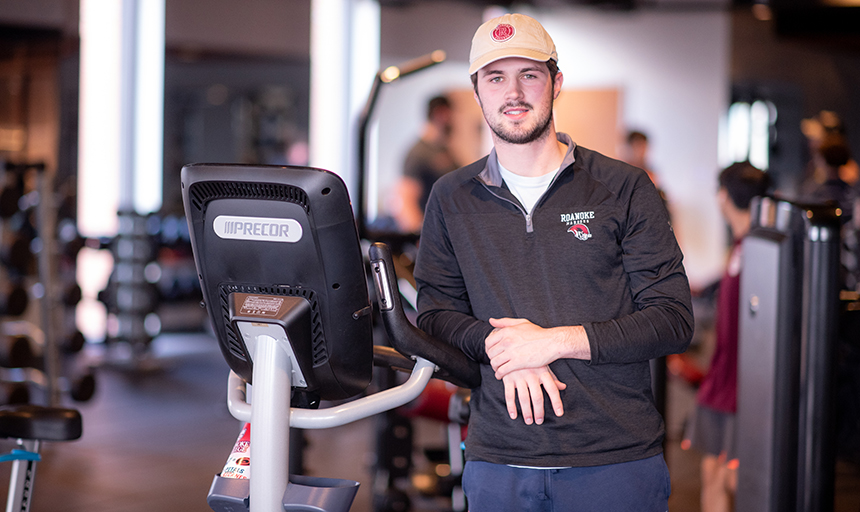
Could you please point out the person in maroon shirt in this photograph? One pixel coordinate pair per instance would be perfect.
(711, 429)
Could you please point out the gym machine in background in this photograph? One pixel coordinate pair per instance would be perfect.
(788, 332)
(39, 343)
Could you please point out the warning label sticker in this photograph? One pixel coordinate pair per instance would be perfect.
(256, 305)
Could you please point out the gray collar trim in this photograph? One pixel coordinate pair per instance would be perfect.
(491, 176)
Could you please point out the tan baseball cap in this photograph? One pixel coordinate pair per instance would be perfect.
(511, 35)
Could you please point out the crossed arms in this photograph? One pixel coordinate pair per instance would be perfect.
(625, 300)
(520, 353)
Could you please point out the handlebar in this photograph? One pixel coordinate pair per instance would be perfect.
(407, 339)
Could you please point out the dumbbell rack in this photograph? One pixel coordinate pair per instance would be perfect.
(130, 296)
(38, 337)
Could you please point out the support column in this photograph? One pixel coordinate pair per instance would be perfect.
(120, 163)
(120, 136)
(344, 62)
(270, 425)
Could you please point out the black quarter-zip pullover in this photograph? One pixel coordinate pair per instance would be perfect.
(597, 251)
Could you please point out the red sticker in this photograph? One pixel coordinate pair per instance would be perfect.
(503, 32)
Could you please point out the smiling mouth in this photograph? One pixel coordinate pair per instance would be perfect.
(514, 110)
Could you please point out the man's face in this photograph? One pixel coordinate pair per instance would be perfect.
(723, 201)
(442, 118)
(516, 96)
(638, 150)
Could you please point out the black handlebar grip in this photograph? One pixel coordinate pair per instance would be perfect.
(387, 357)
(455, 366)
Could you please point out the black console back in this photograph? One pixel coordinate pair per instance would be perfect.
(260, 233)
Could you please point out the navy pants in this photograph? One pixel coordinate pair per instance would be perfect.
(638, 486)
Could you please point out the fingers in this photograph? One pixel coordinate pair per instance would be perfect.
(498, 357)
(497, 334)
(506, 322)
(534, 387)
(510, 398)
(519, 388)
(526, 398)
(492, 338)
(503, 367)
(526, 388)
(516, 343)
(552, 387)
(506, 362)
(558, 384)
(497, 364)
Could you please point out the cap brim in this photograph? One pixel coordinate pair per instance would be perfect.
(504, 53)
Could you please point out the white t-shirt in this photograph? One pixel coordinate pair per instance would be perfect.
(526, 188)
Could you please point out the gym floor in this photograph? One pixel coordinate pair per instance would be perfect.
(154, 438)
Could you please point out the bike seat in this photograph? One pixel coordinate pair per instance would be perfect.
(40, 423)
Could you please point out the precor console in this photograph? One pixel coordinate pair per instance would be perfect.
(284, 283)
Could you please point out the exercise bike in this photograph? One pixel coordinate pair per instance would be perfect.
(284, 283)
(30, 425)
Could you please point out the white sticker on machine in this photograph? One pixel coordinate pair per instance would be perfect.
(263, 229)
(256, 305)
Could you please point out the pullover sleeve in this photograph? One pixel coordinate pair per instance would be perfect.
(442, 297)
(662, 323)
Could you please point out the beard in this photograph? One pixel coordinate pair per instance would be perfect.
(520, 134)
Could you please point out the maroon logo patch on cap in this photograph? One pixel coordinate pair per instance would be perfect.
(503, 32)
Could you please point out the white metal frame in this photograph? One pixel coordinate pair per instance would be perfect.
(271, 416)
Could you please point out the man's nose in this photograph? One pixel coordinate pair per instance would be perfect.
(514, 90)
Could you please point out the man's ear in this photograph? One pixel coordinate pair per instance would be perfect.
(556, 86)
(474, 79)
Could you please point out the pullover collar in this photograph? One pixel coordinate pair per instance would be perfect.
(491, 176)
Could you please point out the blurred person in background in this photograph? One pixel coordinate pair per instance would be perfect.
(825, 125)
(428, 159)
(832, 156)
(711, 427)
(636, 153)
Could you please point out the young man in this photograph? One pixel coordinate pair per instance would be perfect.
(556, 268)
(711, 430)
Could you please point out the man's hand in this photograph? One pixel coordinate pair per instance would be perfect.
(526, 384)
(516, 343)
